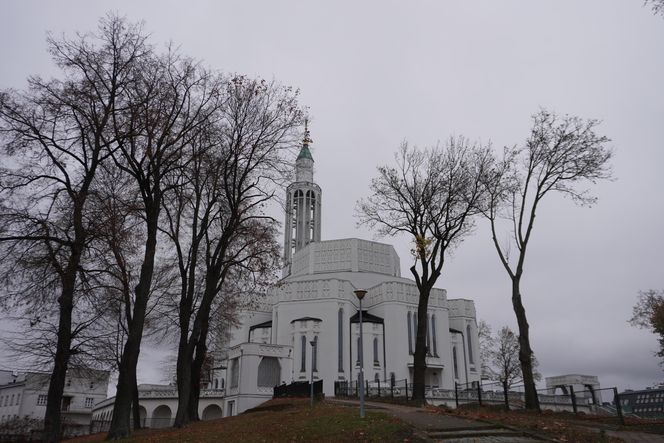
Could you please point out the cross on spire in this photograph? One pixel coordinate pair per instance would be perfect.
(307, 139)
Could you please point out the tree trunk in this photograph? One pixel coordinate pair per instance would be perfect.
(525, 352)
(184, 377)
(419, 358)
(196, 369)
(53, 418)
(507, 402)
(136, 414)
(120, 423)
(53, 415)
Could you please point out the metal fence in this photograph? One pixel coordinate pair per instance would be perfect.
(603, 402)
(396, 389)
(600, 402)
(298, 389)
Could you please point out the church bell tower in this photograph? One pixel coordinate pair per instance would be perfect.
(303, 203)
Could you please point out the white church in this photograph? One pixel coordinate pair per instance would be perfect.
(315, 302)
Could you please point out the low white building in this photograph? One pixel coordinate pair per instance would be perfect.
(158, 405)
(23, 395)
(315, 302)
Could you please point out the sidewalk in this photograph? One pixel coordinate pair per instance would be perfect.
(450, 429)
(446, 428)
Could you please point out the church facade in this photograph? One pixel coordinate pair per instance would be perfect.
(309, 321)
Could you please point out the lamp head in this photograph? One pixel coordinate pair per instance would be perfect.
(360, 293)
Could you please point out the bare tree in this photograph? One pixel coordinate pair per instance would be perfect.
(503, 361)
(431, 195)
(560, 152)
(648, 313)
(114, 265)
(657, 6)
(216, 215)
(55, 137)
(172, 101)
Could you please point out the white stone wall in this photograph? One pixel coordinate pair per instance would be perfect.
(349, 254)
(463, 318)
(164, 402)
(306, 304)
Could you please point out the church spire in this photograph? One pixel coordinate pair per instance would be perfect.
(303, 204)
(304, 165)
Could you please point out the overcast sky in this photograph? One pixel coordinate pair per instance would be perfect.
(376, 73)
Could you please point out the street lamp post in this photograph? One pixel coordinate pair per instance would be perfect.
(313, 363)
(360, 293)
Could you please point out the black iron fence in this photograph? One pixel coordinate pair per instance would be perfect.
(603, 402)
(395, 389)
(599, 402)
(298, 389)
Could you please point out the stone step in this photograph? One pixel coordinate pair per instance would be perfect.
(490, 439)
(481, 434)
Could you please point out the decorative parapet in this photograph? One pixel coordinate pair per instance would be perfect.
(461, 307)
(400, 291)
(260, 349)
(346, 255)
(158, 393)
(404, 292)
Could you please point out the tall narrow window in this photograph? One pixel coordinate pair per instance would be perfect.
(375, 349)
(410, 336)
(235, 373)
(314, 354)
(433, 335)
(454, 361)
(428, 336)
(415, 329)
(312, 216)
(469, 340)
(341, 340)
(303, 363)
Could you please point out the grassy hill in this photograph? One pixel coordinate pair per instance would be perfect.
(282, 420)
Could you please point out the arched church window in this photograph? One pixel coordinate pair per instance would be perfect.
(303, 362)
(455, 364)
(410, 335)
(470, 345)
(375, 351)
(341, 339)
(269, 372)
